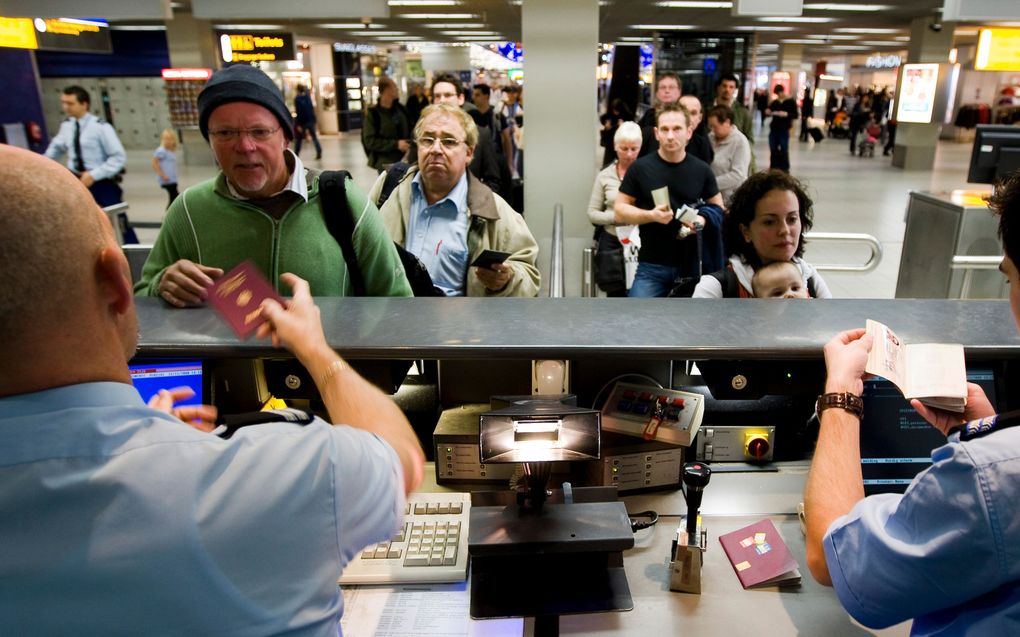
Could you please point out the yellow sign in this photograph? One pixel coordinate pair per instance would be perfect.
(998, 50)
(260, 47)
(17, 33)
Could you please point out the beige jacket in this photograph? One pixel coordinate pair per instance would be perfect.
(493, 225)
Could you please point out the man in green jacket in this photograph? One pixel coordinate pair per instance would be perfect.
(447, 217)
(264, 206)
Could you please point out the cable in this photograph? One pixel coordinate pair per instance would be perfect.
(636, 526)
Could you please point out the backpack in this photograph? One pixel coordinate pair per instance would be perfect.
(340, 222)
(394, 174)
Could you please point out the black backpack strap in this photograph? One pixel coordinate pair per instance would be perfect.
(340, 222)
(728, 282)
(812, 287)
(394, 174)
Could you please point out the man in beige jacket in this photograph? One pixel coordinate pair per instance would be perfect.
(447, 218)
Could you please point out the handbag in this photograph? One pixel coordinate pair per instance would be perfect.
(609, 273)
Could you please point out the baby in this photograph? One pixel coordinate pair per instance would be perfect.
(779, 280)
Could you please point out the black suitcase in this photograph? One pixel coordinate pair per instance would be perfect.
(816, 134)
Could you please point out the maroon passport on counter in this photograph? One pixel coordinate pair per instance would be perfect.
(237, 296)
(760, 557)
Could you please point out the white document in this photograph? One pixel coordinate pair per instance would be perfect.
(934, 373)
(432, 610)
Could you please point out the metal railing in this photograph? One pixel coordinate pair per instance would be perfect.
(848, 237)
(970, 263)
(556, 254)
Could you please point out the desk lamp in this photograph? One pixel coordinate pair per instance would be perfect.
(545, 555)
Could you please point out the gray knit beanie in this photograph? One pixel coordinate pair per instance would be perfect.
(242, 83)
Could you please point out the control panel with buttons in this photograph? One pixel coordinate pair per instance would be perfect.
(735, 443)
(653, 413)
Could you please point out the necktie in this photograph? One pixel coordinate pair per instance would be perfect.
(79, 163)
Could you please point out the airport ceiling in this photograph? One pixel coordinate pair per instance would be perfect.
(828, 28)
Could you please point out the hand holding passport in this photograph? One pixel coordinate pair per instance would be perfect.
(237, 297)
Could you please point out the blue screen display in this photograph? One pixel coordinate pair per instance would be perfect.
(149, 378)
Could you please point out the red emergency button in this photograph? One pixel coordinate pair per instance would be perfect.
(646, 396)
(678, 402)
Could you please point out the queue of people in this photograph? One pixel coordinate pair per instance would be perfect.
(104, 480)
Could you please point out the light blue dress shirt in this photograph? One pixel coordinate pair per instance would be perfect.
(437, 235)
(945, 553)
(101, 150)
(118, 519)
(168, 164)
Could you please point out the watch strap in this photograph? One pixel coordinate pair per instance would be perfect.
(843, 400)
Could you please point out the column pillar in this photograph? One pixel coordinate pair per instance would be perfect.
(561, 120)
(790, 58)
(192, 45)
(915, 143)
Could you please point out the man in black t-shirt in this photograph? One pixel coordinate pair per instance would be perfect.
(669, 248)
(783, 111)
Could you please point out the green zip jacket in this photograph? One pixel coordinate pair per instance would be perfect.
(209, 226)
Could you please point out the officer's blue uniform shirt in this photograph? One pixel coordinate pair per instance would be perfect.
(101, 150)
(119, 519)
(946, 552)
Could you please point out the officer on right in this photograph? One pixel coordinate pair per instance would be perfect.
(947, 552)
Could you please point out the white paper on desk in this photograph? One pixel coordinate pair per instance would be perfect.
(432, 610)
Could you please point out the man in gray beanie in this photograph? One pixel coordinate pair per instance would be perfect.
(263, 206)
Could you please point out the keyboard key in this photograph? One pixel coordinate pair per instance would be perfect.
(416, 560)
(394, 554)
(456, 508)
(432, 508)
(444, 508)
(450, 556)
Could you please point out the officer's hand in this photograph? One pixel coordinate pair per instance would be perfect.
(977, 407)
(495, 277)
(845, 357)
(87, 179)
(201, 417)
(185, 283)
(297, 326)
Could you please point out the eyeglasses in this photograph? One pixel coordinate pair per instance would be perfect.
(449, 143)
(228, 135)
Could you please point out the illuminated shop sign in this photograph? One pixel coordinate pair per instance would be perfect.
(998, 50)
(883, 61)
(261, 46)
(186, 74)
(56, 34)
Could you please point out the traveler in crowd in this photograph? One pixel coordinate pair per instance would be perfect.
(164, 163)
(616, 114)
(120, 517)
(807, 110)
(667, 91)
(945, 552)
(610, 272)
(766, 222)
(305, 123)
(726, 89)
(859, 118)
(783, 111)
(761, 104)
(669, 248)
(263, 206)
(698, 146)
(416, 101)
(385, 130)
(511, 113)
(446, 217)
(732, 151)
(94, 152)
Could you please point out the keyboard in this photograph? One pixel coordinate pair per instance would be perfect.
(431, 547)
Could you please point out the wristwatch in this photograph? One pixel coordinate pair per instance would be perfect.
(843, 400)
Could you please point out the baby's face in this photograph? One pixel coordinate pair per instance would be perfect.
(780, 283)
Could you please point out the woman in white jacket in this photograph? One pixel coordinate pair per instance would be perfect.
(768, 217)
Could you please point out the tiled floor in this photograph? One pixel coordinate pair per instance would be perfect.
(851, 194)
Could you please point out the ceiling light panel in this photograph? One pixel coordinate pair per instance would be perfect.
(831, 6)
(694, 4)
(436, 16)
(423, 3)
(663, 27)
(796, 19)
(865, 31)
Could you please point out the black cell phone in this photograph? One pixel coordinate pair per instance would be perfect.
(488, 258)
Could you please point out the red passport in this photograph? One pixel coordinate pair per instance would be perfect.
(760, 557)
(237, 297)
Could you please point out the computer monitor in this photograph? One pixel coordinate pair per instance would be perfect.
(150, 376)
(996, 153)
(896, 443)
